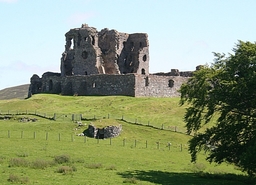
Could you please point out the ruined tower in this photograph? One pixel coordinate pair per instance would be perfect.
(88, 52)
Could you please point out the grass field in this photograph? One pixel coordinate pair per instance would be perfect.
(49, 152)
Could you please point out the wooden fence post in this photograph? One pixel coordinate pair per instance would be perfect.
(181, 147)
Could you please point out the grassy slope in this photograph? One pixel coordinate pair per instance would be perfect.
(19, 92)
(118, 163)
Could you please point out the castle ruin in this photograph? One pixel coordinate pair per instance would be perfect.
(107, 63)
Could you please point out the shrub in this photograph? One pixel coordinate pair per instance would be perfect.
(60, 159)
(18, 162)
(94, 166)
(66, 169)
(40, 164)
(17, 179)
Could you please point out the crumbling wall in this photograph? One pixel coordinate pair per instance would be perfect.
(158, 86)
(88, 51)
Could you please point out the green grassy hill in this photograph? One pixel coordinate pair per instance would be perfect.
(50, 152)
(17, 92)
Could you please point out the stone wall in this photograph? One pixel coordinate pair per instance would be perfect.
(158, 86)
(106, 132)
(106, 85)
(99, 85)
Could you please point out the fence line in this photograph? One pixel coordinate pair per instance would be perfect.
(33, 135)
(80, 117)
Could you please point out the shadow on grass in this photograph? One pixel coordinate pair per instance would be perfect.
(172, 178)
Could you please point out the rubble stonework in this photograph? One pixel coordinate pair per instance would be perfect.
(106, 132)
(107, 62)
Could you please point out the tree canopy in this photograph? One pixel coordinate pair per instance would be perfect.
(224, 93)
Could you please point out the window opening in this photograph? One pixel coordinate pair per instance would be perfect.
(143, 71)
(93, 85)
(144, 58)
(171, 83)
(93, 40)
(50, 85)
(72, 44)
(146, 81)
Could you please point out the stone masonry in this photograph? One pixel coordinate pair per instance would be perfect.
(107, 62)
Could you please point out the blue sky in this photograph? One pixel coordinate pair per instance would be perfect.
(182, 33)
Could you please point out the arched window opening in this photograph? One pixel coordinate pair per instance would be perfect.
(93, 40)
(144, 58)
(72, 42)
(171, 83)
(93, 85)
(85, 72)
(143, 71)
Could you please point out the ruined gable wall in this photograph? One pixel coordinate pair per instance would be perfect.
(158, 86)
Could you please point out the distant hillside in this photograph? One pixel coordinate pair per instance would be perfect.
(18, 92)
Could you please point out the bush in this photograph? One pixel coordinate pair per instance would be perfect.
(66, 169)
(94, 166)
(18, 162)
(40, 164)
(17, 179)
(60, 159)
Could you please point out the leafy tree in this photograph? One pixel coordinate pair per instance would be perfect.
(224, 93)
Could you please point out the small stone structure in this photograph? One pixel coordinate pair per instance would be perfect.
(107, 62)
(106, 132)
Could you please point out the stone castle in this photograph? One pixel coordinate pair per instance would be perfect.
(107, 63)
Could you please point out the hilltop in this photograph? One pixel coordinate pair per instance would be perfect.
(16, 92)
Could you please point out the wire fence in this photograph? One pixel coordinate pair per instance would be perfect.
(92, 117)
(60, 137)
